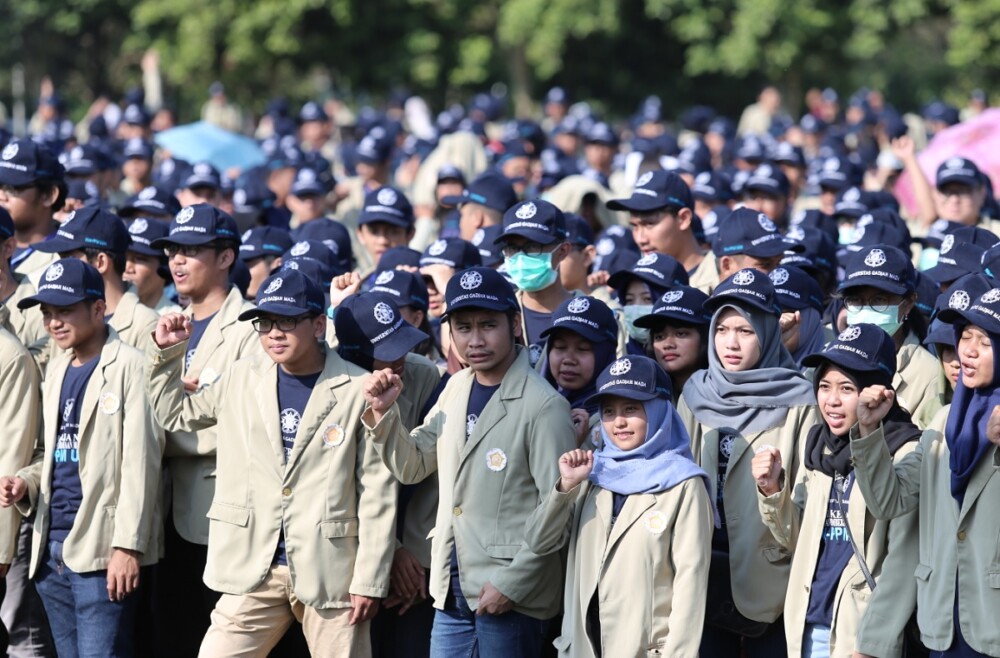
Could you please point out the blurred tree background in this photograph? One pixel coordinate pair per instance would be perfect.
(615, 52)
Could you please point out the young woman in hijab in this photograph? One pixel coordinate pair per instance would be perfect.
(678, 334)
(941, 336)
(580, 343)
(801, 302)
(824, 522)
(751, 395)
(879, 288)
(951, 478)
(640, 522)
(638, 287)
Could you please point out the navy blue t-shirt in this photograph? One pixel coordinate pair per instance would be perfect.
(478, 398)
(67, 492)
(834, 553)
(535, 322)
(720, 539)
(293, 395)
(198, 328)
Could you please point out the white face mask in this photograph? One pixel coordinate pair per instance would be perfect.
(632, 313)
(887, 320)
(928, 258)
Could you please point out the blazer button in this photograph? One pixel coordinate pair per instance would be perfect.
(961, 535)
(286, 491)
(457, 511)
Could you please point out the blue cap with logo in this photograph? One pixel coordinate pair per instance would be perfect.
(819, 252)
(984, 312)
(137, 148)
(199, 224)
(371, 326)
(136, 115)
(859, 348)
(962, 253)
(375, 147)
(768, 179)
(958, 170)
(480, 288)
(89, 227)
(453, 252)
(144, 231)
(835, 173)
(485, 241)
(202, 174)
(389, 205)
(795, 289)
(307, 183)
(578, 231)
(312, 111)
(746, 231)
(152, 200)
(601, 133)
(314, 250)
(886, 268)
(264, 241)
(587, 316)
(655, 190)
(331, 233)
(406, 288)
(81, 160)
(852, 202)
(490, 189)
(288, 294)
(960, 294)
(83, 190)
(66, 282)
(785, 153)
(659, 270)
(634, 377)
(712, 187)
(539, 221)
(23, 162)
(748, 286)
(681, 304)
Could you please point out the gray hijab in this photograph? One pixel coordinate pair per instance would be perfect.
(753, 400)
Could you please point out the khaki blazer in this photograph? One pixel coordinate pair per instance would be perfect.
(889, 549)
(33, 266)
(706, 277)
(956, 545)
(134, 321)
(759, 565)
(27, 324)
(119, 463)
(489, 485)
(650, 569)
(335, 499)
(918, 383)
(20, 416)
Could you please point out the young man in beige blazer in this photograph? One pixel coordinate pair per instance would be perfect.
(303, 519)
(494, 438)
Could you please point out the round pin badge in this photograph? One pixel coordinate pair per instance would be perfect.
(109, 403)
(333, 435)
(496, 460)
(655, 522)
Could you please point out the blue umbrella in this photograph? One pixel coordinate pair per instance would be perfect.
(206, 142)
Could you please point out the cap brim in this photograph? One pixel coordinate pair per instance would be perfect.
(482, 304)
(588, 332)
(944, 273)
(621, 278)
(455, 200)
(192, 239)
(940, 333)
(283, 310)
(961, 180)
(955, 316)
(772, 248)
(16, 178)
(624, 392)
(833, 184)
(714, 303)
(58, 245)
(388, 219)
(540, 237)
(400, 343)
(51, 297)
(657, 319)
(874, 282)
(840, 358)
(638, 203)
(145, 250)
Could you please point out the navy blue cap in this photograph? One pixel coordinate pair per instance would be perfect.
(90, 227)
(23, 162)
(313, 250)
(288, 293)
(962, 253)
(655, 190)
(375, 147)
(927, 291)
(958, 170)
(450, 172)
(819, 252)
(960, 294)
(746, 231)
(406, 288)
(886, 268)
(811, 124)
(615, 243)
(748, 286)
(83, 190)
(601, 133)
(859, 348)
(712, 187)
(680, 303)
(984, 312)
(490, 189)
(169, 173)
(202, 174)
(143, 232)
(868, 234)
(135, 115)
(990, 262)
(334, 235)
(852, 202)
(939, 333)
(587, 316)
(6, 224)
(308, 183)
(578, 231)
(659, 270)
(479, 287)
(818, 220)
(557, 95)
(252, 195)
(387, 204)
(796, 289)
(835, 173)
(393, 257)
(199, 224)
(370, 325)
(137, 148)
(264, 241)
(937, 232)
(785, 153)
(66, 282)
(152, 200)
(453, 252)
(81, 160)
(485, 241)
(709, 223)
(312, 111)
(751, 148)
(634, 377)
(768, 179)
(538, 221)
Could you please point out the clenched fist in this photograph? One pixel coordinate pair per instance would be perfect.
(874, 404)
(381, 390)
(766, 469)
(172, 329)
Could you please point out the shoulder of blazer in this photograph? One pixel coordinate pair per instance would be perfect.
(517, 377)
(229, 312)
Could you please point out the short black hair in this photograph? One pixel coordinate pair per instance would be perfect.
(117, 260)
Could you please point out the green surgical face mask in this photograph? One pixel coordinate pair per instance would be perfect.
(928, 258)
(887, 320)
(632, 313)
(531, 273)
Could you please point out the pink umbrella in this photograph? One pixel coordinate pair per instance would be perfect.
(977, 139)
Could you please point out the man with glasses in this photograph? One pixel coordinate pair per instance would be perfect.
(303, 519)
(534, 245)
(960, 194)
(201, 247)
(32, 190)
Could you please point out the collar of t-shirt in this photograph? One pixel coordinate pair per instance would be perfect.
(198, 328)
(479, 396)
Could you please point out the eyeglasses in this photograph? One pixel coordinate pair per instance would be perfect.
(527, 248)
(877, 303)
(264, 325)
(187, 250)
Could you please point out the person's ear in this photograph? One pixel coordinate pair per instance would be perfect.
(684, 218)
(225, 259)
(319, 327)
(589, 255)
(516, 328)
(418, 317)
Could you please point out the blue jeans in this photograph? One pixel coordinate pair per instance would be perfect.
(459, 633)
(84, 622)
(816, 641)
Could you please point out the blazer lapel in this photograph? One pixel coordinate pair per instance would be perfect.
(635, 505)
(321, 403)
(214, 334)
(92, 394)
(984, 471)
(266, 393)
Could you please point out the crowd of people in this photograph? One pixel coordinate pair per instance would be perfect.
(460, 386)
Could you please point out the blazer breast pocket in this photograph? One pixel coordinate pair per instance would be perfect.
(233, 514)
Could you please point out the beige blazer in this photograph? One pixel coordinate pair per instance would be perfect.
(918, 383)
(706, 277)
(889, 549)
(27, 324)
(20, 416)
(649, 569)
(134, 321)
(119, 463)
(955, 545)
(33, 266)
(488, 485)
(190, 456)
(335, 499)
(759, 565)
